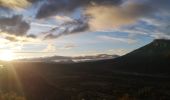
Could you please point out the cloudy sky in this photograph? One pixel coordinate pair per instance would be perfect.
(34, 28)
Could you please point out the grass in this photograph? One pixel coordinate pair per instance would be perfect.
(46, 81)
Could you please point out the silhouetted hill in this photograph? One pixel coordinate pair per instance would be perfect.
(152, 58)
(158, 47)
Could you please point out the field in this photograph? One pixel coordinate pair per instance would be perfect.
(81, 81)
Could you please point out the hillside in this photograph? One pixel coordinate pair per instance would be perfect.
(152, 58)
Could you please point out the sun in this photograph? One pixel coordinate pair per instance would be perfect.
(7, 55)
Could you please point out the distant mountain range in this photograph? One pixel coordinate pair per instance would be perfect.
(65, 59)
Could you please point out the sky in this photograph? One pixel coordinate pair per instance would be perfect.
(38, 28)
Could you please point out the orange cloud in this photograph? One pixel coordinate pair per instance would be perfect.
(114, 16)
(14, 3)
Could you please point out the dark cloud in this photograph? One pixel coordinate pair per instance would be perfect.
(67, 28)
(69, 46)
(160, 4)
(31, 36)
(65, 6)
(33, 1)
(12, 39)
(14, 25)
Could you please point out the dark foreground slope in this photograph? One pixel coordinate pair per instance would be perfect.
(47, 81)
(140, 75)
(153, 58)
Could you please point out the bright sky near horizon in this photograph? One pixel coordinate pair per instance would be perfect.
(36, 28)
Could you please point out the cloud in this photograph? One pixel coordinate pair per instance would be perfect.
(50, 48)
(31, 36)
(162, 5)
(116, 39)
(69, 46)
(63, 18)
(105, 17)
(136, 17)
(42, 25)
(53, 7)
(97, 15)
(118, 51)
(10, 38)
(14, 25)
(32, 1)
(114, 12)
(67, 28)
(105, 14)
(12, 4)
(14, 38)
(156, 27)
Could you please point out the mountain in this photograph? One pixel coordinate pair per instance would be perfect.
(152, 58)
(48, 59)
(65, 59)
(159, 47)
(94, 58)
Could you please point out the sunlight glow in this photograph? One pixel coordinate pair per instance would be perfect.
(7, 55)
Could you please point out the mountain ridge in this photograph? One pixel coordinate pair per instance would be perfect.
(151, 58)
